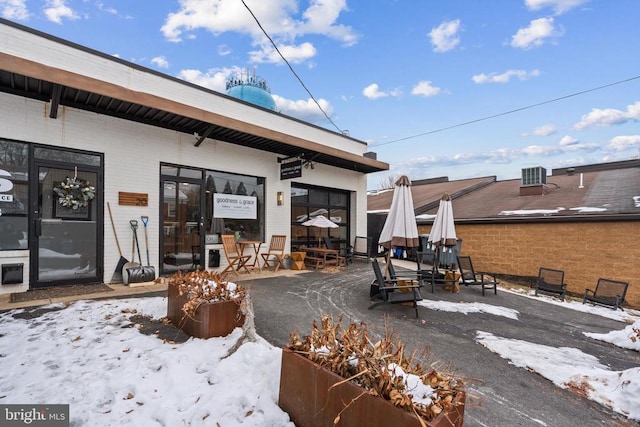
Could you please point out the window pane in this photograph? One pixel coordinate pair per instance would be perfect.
(299, 213)
(338, 199)
(318, 197)
(169, 170)
(67, 156)
(190, 173)
(299, 195)
(241, 185)
(14, 178)
(339, 216)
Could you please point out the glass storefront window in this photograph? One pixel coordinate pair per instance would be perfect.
(308, 202)
(246, 223)
(14, 190)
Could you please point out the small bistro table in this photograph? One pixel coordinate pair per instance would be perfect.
(256, 244)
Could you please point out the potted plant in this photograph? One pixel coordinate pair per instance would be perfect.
(203, 304)
(338, 376)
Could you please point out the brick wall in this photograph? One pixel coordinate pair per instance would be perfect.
(584, 250)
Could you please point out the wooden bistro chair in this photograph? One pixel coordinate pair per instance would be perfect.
(552, 281)
(235, 258)
(275, 253)
(470, 277)
(390, 293)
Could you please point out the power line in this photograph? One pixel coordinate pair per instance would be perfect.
(290, 67)
(506, 112)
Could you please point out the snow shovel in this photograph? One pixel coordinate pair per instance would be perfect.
(130, 264)
(142, 273)
(122, 261)
(145, 221)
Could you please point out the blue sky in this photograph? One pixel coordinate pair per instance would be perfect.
(403, 75)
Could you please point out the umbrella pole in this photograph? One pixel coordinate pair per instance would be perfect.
(387, 261)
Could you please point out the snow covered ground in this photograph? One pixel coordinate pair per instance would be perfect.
(91, 356)
(568, 367)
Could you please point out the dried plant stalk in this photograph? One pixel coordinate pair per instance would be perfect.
(351, 354)
(202, 287)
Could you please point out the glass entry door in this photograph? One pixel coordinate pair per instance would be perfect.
(66, 238)
(182, 225)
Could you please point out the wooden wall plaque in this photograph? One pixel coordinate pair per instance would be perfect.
(133, 199)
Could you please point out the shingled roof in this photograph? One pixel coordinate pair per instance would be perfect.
(607, 191)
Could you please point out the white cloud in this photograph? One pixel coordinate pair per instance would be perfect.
(445, 36)
(306, 110)
(504, 77)
(100, 5)
(541, 150)
(373, 92)
(57, 10)
(14, 9)
(558, 6)
(544, 130)
(568, 140)
(214, 79)
(624, 142)
(609, 117)
(160, 61)
(224, 50)
(281, 19)
(535, 34)
(425, 88)
(293, 54)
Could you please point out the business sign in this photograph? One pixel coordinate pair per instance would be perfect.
(292, 169)
(5, 186)
(235, 206)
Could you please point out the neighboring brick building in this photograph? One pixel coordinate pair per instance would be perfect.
(583, 220)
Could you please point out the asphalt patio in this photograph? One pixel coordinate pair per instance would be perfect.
(500, 394)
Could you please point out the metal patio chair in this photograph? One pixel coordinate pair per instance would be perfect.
(470, 277)
(551, 281)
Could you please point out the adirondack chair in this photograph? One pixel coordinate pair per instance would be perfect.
(552, 281)
(608, 292)
(390, 293)
(470, 277)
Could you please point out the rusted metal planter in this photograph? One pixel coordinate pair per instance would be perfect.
(306, 396)
(214, 319)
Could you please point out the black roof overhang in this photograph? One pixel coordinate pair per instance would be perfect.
(61, 95)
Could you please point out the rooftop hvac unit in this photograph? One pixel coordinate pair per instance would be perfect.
(534, 176)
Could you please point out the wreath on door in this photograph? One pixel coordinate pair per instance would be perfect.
(74, 193)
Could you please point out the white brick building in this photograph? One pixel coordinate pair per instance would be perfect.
(153, 146)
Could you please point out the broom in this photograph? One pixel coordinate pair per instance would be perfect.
(117, 275)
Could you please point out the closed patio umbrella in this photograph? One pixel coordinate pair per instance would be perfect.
(443, 230)
(400, 228)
